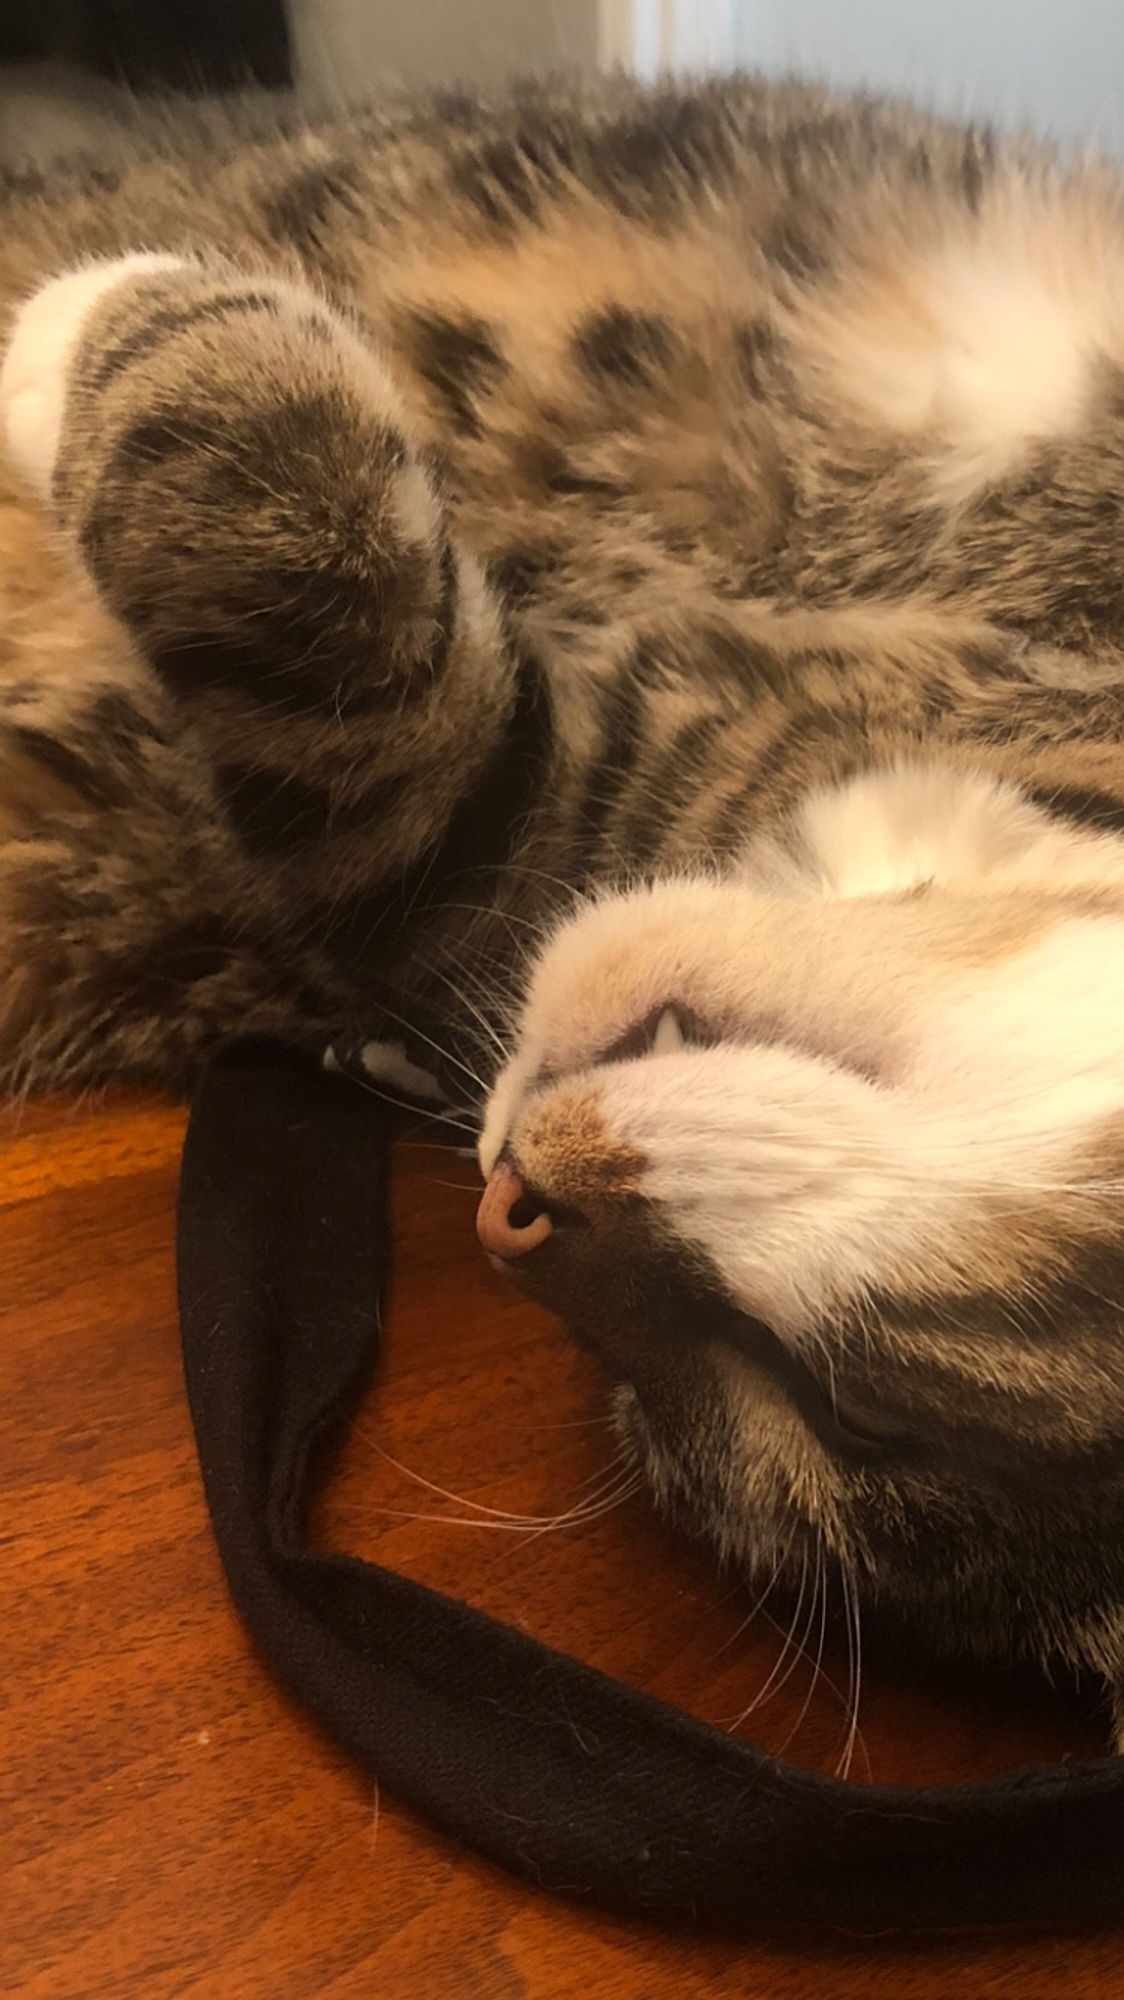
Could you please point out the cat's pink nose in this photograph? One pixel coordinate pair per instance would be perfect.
(508, 1221)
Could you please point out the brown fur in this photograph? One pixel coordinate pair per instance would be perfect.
(568, 1148)
(508, 499)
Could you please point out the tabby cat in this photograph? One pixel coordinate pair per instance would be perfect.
(632, 583)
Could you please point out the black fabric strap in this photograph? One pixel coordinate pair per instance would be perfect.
(551, 1769)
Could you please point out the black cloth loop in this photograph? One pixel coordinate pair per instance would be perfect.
(549, 1768)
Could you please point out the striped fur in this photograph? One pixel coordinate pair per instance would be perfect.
(688, 522)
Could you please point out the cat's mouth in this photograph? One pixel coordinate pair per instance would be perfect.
(652, 1311)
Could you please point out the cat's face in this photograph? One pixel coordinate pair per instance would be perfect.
(835, 1191)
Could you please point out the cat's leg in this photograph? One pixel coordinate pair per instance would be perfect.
(123, 934)
(231, 462)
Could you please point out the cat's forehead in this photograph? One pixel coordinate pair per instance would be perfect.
(732, 956)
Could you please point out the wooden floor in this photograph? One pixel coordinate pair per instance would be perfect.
(169, 1824)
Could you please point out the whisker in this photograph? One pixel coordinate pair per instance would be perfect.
(570, 1424)
(820, 1590)
(446, 1055)
(478, 1016)
(435, 1146)
(758, 1603)
(602, 1503)
(608, 1475)
(376, 1089)
(854, 1733)
(529, 1531)
(506, 916)
(799, 1645)
(443, 1492)
(771, 1684)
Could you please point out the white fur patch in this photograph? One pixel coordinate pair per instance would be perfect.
(1005, 360)
(882, 1062)
(980, 343)
(35, 376)
(1014, 359)
(919, 822)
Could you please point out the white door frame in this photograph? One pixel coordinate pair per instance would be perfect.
(653, 37)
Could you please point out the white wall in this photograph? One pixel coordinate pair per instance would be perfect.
(1058, 64)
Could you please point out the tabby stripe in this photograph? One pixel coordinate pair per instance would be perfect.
(752, 667)
(1089, 808)
(480, 836)
(164, 323)
(729, 827)
(661, 791)
(808, 726)
(231, 664)
(146, 441)
(150, 439)
(304, 684)
(1052, 716)
(519, 573)
(565, 481)
(114, 717)
(301, 209)
(460, 360)
(1086, 1293)
(97, 787)
(622, 712)
(623, 348)
(977, 165)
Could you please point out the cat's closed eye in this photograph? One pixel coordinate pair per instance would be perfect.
(667, 1029)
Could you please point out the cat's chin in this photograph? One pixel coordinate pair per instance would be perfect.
(701, 1389)
(654, 1314)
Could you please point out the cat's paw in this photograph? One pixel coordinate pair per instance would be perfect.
(46, 336)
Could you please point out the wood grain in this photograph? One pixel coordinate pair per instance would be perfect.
(171, 1825)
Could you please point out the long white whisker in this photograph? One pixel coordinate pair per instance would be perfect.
(607, 1472)
(758, 1603)
(529, 1530)
(376, 1089)
(446, 1055)
(820, 1591)
(481, 1020)
(799, 1645)
(854, 1734)
(628, 1483)
(771, 1682)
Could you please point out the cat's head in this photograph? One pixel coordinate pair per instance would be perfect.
(835, 1190)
